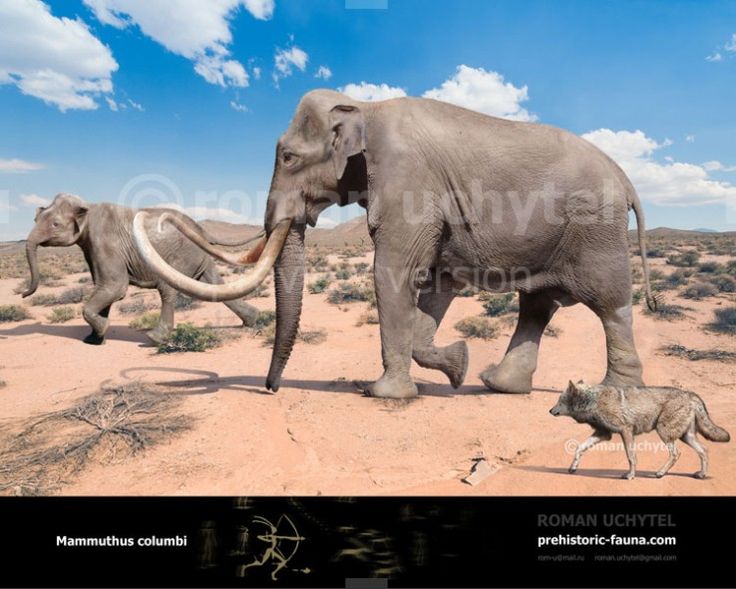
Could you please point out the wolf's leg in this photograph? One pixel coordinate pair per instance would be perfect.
(247, 313)
(514, 373)
(691, 440)
(431, 308)
(624, 366)
(674, 455)
(597, 437)
(627, 435)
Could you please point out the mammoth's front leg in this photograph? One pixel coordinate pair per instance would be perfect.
(396, 298)
(166, 317)
(97, 309)
(434, 300)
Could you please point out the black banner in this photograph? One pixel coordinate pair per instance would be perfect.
(398, 542)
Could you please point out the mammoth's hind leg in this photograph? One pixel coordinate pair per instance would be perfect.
(623, 364)
(514, 373)
(247, 313)
(166, 317)
(452, 360)
(97, 310)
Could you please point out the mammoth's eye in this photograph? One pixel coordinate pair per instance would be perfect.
(55, 224)
(288, 157)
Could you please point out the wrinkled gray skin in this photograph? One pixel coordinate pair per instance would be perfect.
(442, 186)
(103, 232)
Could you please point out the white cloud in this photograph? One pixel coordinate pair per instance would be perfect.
(483, 91)
(672, 183)
(200, 213)
(114, 106)
(372, 92)
(197, 30)
(324, 73)
(33, 200)
(17, 166)
(238, 107)
(257, 73)
(731, 44)
(286, 59)
(136, 105)
(714, 57)
(55, 59)
(716, 166)
(690, 138)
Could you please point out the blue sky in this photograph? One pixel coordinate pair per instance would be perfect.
(132, 102)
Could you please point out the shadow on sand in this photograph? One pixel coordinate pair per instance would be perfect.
(77, 332)
(204, 382)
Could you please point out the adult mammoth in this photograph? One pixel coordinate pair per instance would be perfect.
(454, 197)
(104, 234)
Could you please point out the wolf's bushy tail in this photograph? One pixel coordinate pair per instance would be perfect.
(706, 426)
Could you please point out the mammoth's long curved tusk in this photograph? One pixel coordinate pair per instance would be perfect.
(234, 259)
(210, 292)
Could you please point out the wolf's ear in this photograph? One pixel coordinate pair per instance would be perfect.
(571, 387)
(581, 381)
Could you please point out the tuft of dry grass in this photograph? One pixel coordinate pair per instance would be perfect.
(11, 313)
(61, 315)
(477, 327)
(145, 322)
(695, 355)
(113, 423)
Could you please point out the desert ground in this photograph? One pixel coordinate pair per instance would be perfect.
(126, 419)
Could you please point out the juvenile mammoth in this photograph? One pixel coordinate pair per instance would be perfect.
(104, 234)
(454, 197)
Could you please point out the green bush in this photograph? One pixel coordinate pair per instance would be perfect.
(656, 274)
(699, 290)
(500, 304)
(264, 319)
(468, 291)
(724, 283)
(678, 277)
(361, 268)
(686, 259)
(61, 315)
(10, 313)
(319, 285)
(350, 293)
(637, 296)
(188, 338)
(43, 300)
(725, 321)
(136, 306)
(666, 312)
(70, 296)
(476, 327)
(146, 321)
(711, 268)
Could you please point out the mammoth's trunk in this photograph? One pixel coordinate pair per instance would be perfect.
(289, 284)
(32, 256)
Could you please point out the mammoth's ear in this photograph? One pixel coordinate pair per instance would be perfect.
(348, 135)
(80, 218)
(39, 210)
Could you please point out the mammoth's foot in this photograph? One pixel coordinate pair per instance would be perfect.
(456, 365)
(451, 360)
(158, 335)
(507, 378)
(392, 387)
(94, 339)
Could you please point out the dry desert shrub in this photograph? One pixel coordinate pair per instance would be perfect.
(725, 321)
(695, 355)
(145, 322)
(11, 313)
(136, 305)
(61, 315)
(477, 327)
(113, 423)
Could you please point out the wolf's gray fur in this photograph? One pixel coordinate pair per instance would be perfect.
(630, 411)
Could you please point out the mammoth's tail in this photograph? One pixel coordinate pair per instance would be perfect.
(641, 233)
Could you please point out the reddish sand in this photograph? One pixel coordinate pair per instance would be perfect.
(319, 435)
